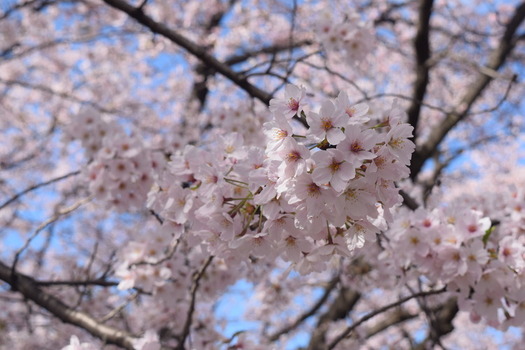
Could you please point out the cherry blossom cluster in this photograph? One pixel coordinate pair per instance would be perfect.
(160, 265)
(323, 186)
(122, 169)
(244, 118)
(143, 263)
(308, 192)
(479, 262)
(304, 198)
(350, 36)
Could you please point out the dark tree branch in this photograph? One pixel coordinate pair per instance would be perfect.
(322, 300)
(442, 325)
(501, 100)
(441, 165)
(340, 307)
(37, 5)
(196, 281)
(58, 214)
(217, 17)
(200, 86)
(29, 288)
(13, 163)
(200, 90)
(96, 282)
(495, 62)
(398, 316)
(142, 4)
(196, 50)
(385, 16)
(376, 312)
(274, 49)
(422, 50)
(408, 201)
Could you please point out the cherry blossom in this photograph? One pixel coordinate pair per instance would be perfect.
(261, 174)
(291, 104)
(331, 167)
(327, 124)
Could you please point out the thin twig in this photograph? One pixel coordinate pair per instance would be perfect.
(307, 314)
(43, 225)
(502, 99)
(34, 187)
(376, 312)
(198, 51)
(61, 94)
(196, 281)
(118, 309)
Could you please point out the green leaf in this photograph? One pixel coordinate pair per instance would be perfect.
(486, 236)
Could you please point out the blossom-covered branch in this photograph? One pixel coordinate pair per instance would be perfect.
(30, 290)
(496, 60)
(199, 52)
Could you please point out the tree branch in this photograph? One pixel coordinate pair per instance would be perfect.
(61, 94)
(442, 325)
(274, 49)
(52, 219)
(376, 312)
(196, 50)
(396, 317)
(29, 288)
(440, 166)
(422, 50)
(341, 306)
(191, 309)
(96, 282)
(285, 330)
(408, 201)
(200, 88)
(34, 187)
(495, 62)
